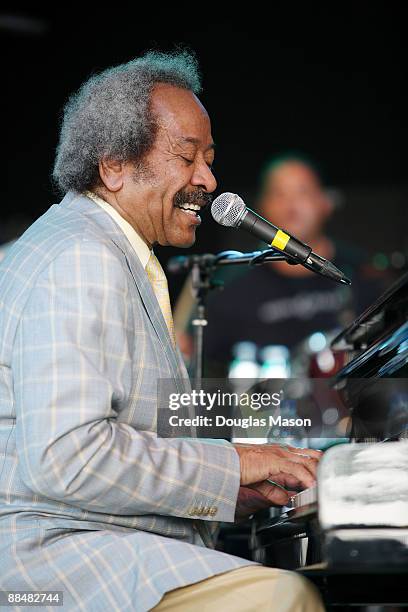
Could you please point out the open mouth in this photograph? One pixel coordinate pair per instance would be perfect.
(190, 209)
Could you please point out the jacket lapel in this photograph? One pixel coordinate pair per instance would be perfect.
(82, 205)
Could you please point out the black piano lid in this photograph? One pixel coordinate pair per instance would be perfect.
(387, 314)
(374, 382)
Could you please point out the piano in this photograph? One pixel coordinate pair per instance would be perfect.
(353, 540)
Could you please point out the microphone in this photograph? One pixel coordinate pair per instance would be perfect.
(229, 209)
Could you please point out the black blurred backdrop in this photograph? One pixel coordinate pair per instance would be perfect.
(326, 81)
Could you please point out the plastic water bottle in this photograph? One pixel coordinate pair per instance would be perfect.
(244, 372)
(245, 364)
(275, 362)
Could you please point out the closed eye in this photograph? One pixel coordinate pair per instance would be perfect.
(188, 161)
(191, 161)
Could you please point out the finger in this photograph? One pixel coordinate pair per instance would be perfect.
(274, 494)
(311, 452)
(304, 476)
(317, 454)
(250, 501)
(288, 451)
(309, 463)
(286, 480)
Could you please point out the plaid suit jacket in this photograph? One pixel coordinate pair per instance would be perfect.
(92, 502)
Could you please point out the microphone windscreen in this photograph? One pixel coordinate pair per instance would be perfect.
(227, 209)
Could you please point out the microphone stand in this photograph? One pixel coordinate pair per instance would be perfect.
(202, 271)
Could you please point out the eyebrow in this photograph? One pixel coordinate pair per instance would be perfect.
(196, 142)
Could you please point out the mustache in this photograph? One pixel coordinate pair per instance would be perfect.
(200, 197)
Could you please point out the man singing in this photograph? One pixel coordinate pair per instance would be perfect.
(93, 503)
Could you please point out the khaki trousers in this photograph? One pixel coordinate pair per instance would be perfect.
(247, 589)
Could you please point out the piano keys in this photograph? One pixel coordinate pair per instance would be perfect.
(360, 504)
(305, 498)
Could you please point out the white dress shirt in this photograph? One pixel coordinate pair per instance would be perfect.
(140, 247)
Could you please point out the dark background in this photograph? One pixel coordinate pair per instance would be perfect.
(329, 82)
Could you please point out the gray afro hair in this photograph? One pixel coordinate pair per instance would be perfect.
(110, 115)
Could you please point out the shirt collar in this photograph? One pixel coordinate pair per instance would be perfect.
(139, 246)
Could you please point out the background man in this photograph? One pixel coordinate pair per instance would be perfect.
(282, 304)
(93, 503)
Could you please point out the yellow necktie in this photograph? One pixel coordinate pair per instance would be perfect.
(158, 281)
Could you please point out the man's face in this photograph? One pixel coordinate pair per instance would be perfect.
(294, 200)
(164, 201)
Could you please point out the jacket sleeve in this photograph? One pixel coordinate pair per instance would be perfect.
(70, 355)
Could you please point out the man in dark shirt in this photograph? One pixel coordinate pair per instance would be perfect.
(282, 304)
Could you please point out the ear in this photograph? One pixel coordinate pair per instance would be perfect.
(112, 173)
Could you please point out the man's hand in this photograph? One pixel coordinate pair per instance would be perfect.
(290, 467)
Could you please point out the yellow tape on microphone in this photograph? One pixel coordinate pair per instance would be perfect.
(280, 241)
